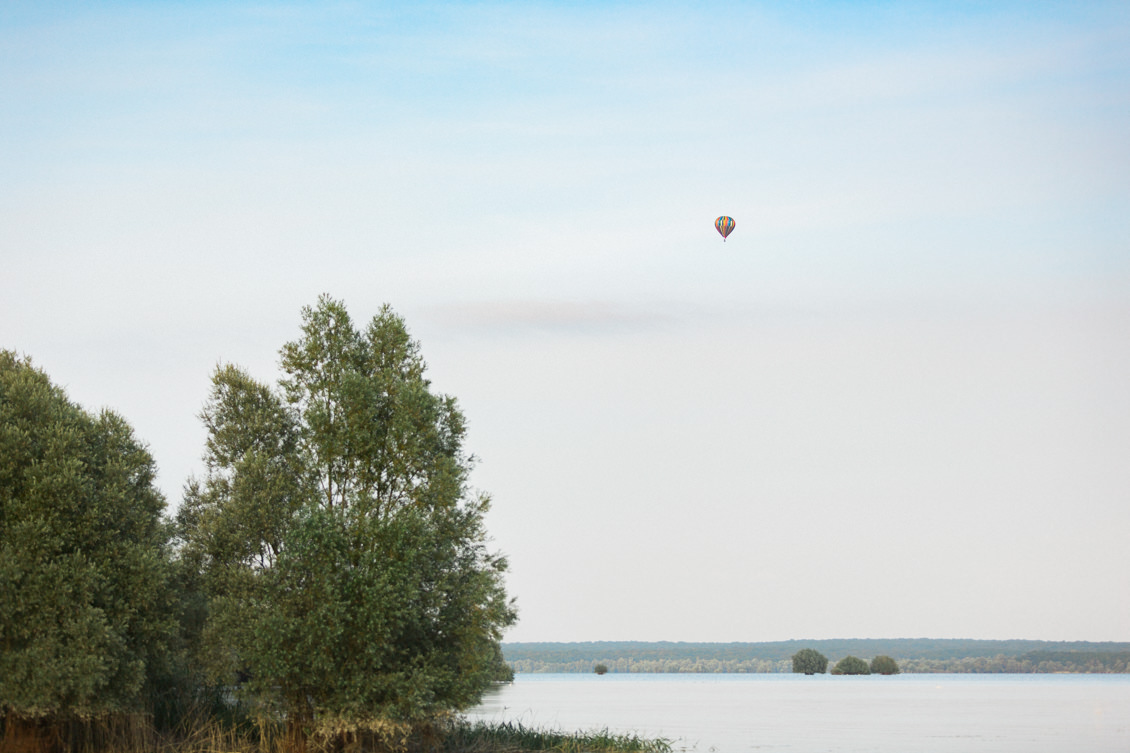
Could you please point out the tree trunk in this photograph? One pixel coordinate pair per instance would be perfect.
(298, 718)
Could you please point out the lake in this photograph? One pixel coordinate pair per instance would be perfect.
(927, 713)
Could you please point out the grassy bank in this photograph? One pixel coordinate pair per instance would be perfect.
(135, 734)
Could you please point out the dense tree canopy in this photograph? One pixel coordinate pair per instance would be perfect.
(810, 662)
(84, 570)
(341, 549)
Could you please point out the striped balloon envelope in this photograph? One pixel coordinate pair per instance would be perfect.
(725, 226)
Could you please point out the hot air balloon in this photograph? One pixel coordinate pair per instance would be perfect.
(725, 226)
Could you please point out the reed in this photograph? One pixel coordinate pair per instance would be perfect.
(514, 737)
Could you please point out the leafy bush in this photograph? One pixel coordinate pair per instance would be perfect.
(851, 665)
(884, 665)
(810, 662)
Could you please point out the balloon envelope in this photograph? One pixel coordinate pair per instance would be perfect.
(725, 226)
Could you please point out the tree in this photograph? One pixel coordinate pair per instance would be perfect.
(84, 567)
(884, 665)
(810, 662)
(601, 669)
(501, 671)
(341, 548)
(851, 665)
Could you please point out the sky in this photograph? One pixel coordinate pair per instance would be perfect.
(894, 403)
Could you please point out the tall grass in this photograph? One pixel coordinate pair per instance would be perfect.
(132, 733)
(201, 733)
(511, 737)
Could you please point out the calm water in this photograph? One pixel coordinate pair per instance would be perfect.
(798, 714)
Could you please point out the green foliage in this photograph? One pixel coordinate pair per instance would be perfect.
(87, 613)
(884, 665)
(810, 662)
(335, 538)
(500, 671)
(1077, 661)
(851, 665)
(601, 669)
(1094, 662)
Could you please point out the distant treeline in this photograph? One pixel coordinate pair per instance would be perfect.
(912, 655)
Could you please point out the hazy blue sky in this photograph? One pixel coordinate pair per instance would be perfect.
(895, 403)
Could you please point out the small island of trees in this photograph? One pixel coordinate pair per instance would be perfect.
(811, 662)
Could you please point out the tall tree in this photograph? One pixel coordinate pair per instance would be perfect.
(341, 547)
(84, 567)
